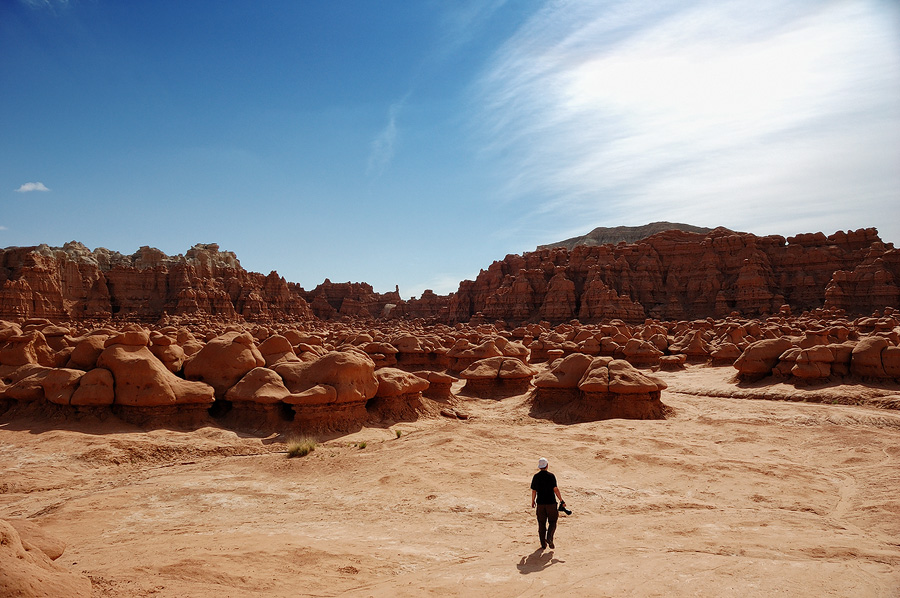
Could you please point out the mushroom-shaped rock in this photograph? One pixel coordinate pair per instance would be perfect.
(86, 351)
(30, 347)
(463, 357)
(693, 344)
(28, 383)
(672, 363)
(725, 353)
(132, 338)
(497, 377)
(866, 360)
(141, 380)
(320, 394)
(890, 360)
(596, 376)
(60, 383)
(609, 388)
(351, 374)
(277, 349)
(813, 363)
(440, 385)
(383, 354)
(96, 387)
(760, 357)
(399, 396)
(589, 346)
(641, 352)
(255, 402)
(843, 353)
(224, 360)
(393, 382)
(171, 355)
(259, 385)
(25, 570)
(564, 373)
(626, 379)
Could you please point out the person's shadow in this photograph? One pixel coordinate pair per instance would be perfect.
(536, 561)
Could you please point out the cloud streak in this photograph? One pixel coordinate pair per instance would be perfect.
(28, 187)
(707, 112)
(382, 148)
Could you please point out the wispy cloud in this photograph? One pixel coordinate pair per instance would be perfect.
(32, 187)
(383, 146)
(45, 3)
(711, 112)
(462, 21)
(3, 228)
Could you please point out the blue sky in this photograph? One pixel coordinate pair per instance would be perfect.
(413, 143)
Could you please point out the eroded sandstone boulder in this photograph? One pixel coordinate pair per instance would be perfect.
(141, 380)
(606, 388)
(26, 571)
(399, 395)
(330, 392)
(224, 360)
(497, 377)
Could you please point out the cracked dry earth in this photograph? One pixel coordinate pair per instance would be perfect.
(728, 497)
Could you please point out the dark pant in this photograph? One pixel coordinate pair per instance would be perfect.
(546, 513)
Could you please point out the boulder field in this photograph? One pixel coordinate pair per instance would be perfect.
(340, 376)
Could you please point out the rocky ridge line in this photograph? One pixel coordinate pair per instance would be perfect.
(603, 235)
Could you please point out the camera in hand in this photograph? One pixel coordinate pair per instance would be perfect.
(563, 509)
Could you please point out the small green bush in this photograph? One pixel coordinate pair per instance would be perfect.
(300, 447)
(362, 444)
(399, 433)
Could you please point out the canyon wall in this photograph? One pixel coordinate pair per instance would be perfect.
(672, 275)
(74, 283)
(677, 275)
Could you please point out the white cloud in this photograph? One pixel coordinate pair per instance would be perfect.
(770, 116)
(32, 187)
(3, 228)
(382, 150)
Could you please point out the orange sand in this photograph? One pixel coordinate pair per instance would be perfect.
(729, 497)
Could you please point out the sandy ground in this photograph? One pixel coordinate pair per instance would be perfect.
(729, 497)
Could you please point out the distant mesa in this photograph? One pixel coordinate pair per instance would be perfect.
(603, 235)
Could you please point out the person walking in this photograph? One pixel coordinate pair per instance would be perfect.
(544, 493)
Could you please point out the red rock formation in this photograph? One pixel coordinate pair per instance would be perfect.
(72, 282)
(677, 275)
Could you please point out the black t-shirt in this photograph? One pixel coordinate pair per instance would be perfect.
(544, 482)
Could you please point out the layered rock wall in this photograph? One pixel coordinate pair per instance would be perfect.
(676, 275)
(74, 283)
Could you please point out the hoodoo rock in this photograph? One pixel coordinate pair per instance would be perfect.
(141, 380)
(581, 388)
(330, 392)
(399, 395)
(497, 377)
(224, 360)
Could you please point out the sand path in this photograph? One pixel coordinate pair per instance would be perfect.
(730, 497)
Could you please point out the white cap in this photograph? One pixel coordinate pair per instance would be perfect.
(542, 463)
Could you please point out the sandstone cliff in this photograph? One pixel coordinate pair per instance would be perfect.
(676, 275)
(73, 282)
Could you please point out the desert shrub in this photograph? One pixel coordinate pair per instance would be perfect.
(300, 447)
(362, 444)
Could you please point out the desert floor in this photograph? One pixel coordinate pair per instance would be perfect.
(728, 497)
